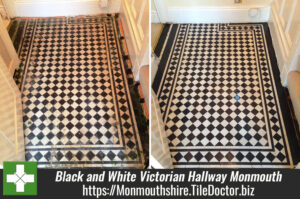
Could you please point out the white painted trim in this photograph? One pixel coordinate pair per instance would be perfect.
(291, 15)
(162, 10)
(287, 50)
(281, 7)
(13, 65)
(278, 35)
(289, 23)
(216, 14)
(137, 45)
(14, 60)
(17, 151)
(154, 17)
(60, 8)
(295, 62)
(9, 7)
(280, 43)
(284, 75)
(136, 39)
(160, 156)
(131, 40)
(155, 164)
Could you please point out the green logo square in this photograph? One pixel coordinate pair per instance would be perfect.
(20, 178)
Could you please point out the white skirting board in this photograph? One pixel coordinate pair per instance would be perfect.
(279, 41)
(216, 15)
(51, 8)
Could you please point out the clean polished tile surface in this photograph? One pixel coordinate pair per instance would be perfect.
(218, 97)
(77, 106)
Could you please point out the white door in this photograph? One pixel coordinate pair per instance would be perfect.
(135, 22)
(11, 123)
(7, 50)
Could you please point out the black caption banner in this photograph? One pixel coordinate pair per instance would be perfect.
(189, 183)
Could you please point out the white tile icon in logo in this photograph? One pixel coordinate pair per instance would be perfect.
(20, 178)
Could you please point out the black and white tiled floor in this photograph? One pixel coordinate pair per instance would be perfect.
(77, 106)
(218, 96)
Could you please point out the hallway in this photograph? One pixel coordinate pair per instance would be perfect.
(76, 100)
(220, 95)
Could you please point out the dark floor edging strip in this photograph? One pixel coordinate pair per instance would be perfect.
(163, 62)
(141, 120)
(286, 113)
(162, 39)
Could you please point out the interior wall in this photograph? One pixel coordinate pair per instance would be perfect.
(285, 29)
(50, 8)
(213, 3)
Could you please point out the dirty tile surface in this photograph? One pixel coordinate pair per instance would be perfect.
(77, 106)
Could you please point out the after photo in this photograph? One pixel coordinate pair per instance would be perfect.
(225, 94)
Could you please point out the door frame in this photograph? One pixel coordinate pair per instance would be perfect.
(10, 8)
(15, 62)
(137, 34)
(162, 10)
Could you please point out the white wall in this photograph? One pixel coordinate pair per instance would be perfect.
(214, 3)
(285, 29)
(50, 8)
(212, 11)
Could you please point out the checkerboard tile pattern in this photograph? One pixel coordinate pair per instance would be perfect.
(76, 101)
(219, 100)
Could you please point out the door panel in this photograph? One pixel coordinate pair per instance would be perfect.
(135, 21)
(3, 52)
(11, 124)
(7, 50)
